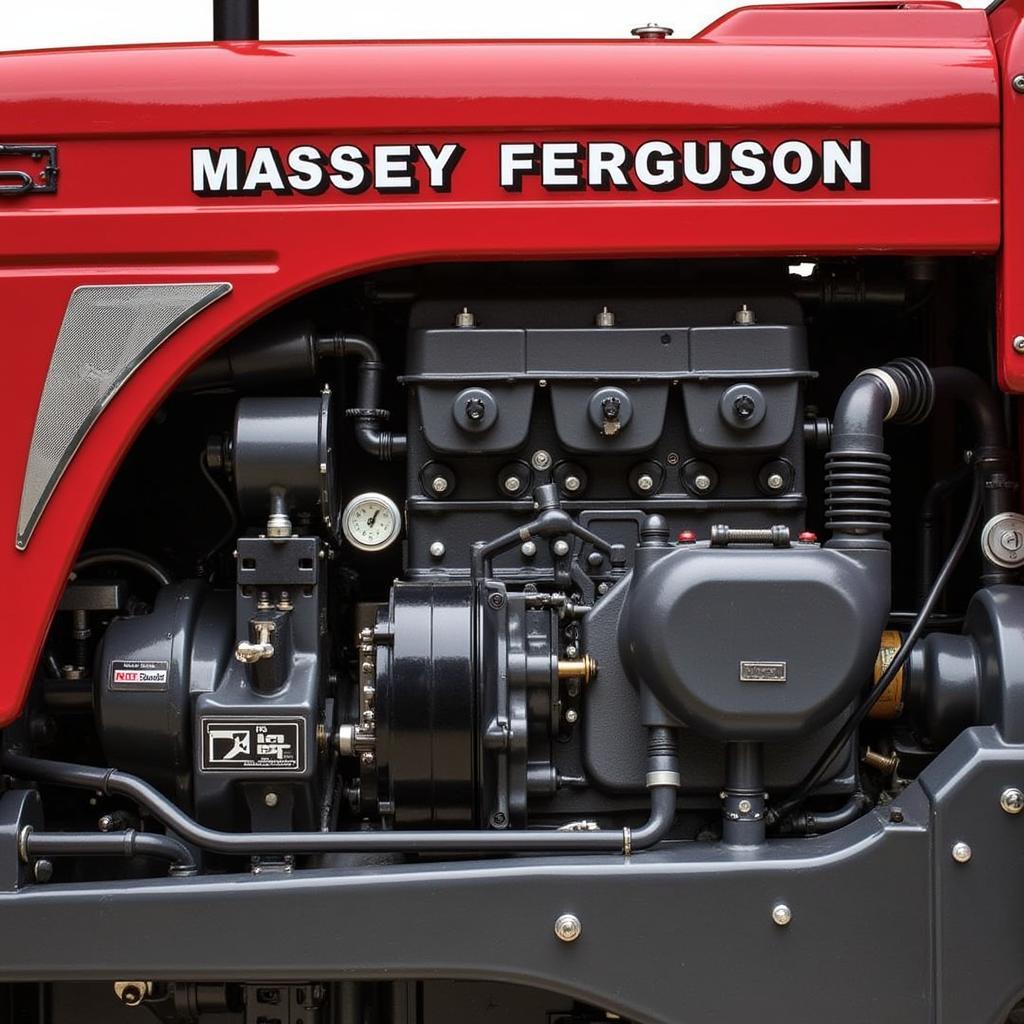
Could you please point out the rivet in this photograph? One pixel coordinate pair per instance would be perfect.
(560, 548)
(961, 853)
(781, 914)
(437, 549)
(528, 548)
(568, 928)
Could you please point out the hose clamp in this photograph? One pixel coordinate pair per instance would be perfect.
(891, 386)
(663, 778)
(627, 842)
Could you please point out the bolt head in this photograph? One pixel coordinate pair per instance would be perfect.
(961, 853)
(781, 914)
(745, 806)
(540, 459)
(270, 799)
(528, 548)
(439, 485)
(1018, 341)
(560, 548)
(572, 716)
(512, 484)
(1018, 83)
(645, 481)
(775, 482)
(572, 483)
(366, 757)
(702, 482)
(437, 549)
(1012, 800)
(568, 928)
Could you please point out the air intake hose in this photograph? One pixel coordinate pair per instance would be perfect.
(857, 476)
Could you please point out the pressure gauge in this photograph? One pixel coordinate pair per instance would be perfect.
(371, 522)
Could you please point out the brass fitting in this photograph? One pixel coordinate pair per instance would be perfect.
(584, 668)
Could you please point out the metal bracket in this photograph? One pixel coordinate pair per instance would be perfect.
(19, 183)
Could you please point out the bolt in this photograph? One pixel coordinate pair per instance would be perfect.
(572, 483)
(568, 928)
(745, 806)
(465, 318)
(744, 407)
(781, 914)
(106, 823)
(571, 650)
(572, 716)
(961, 853)
(540, 459)
(366, 757)
(702, 482)
(602, 589)
(498, 819)
(475, 408)
(606, 318)
(1018, 342)
(1012, 801)
(437, 549)
(1018, 83)
(42, 870)
(896, 815)
(439, 485)
(270, 799)
(595, 559)
(560, 548)
(744, 316)
(512, 484)
(645, 481)
(529, 549)
(775, 482)
(672, 458)
(496, 600)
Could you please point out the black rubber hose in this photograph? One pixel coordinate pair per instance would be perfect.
(820, 822)
(802, 791)
(122, 556)
(368, 414)
(936, 499)
(970, 390)
(112, 782)
(129, 843)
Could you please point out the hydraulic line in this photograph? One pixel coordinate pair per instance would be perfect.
(128, 843)
(663, 782)
(920, 623)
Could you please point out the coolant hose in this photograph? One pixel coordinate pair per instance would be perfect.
(368, 414)
(663, 782)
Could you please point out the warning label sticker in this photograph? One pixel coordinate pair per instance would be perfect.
(253, 744)
(138, 675)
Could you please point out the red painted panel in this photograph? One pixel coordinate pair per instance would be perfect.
(919, 85)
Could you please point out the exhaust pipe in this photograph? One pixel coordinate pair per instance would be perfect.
(236, 20)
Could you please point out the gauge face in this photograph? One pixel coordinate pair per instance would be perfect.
(371, 522)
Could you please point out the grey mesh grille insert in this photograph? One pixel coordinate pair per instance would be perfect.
(107, 333)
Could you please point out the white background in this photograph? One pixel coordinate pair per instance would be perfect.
(36, 24)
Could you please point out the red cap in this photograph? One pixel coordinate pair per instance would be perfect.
(807, 537)
(687, 537)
